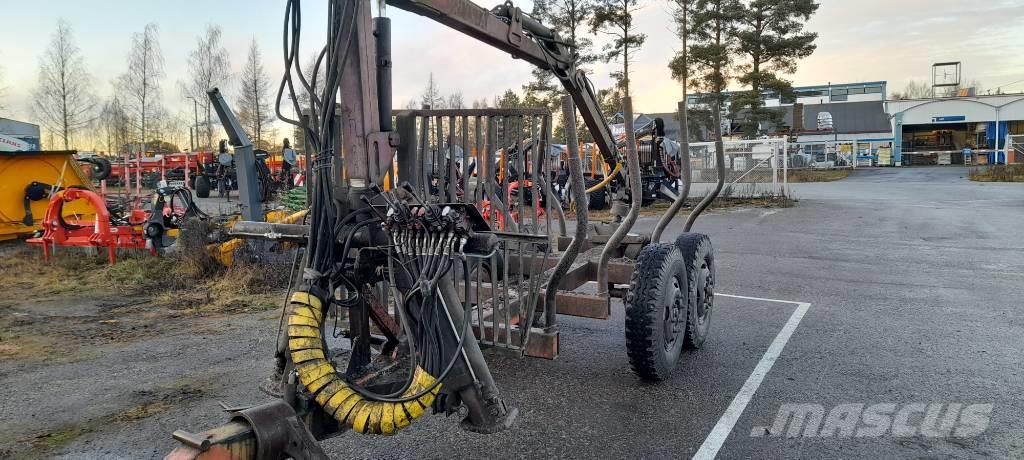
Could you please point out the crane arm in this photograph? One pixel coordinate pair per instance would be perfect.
(508, 29)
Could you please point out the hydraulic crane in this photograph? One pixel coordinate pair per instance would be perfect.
(419, 246)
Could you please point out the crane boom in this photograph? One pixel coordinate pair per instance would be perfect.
(508, 29)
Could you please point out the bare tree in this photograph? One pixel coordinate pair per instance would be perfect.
(455, 100)
(209, 67)
(254, 102)
(914, 90)
(114, 125)
(432, 96)
(63, 101)
(141, 83)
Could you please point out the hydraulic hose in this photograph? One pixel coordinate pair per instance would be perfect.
(720, 166)
(334, 395)
(633, 157)
(607, 179)
(576, 183)
(684, 153)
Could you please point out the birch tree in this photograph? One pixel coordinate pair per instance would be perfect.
(209, 67)
(254, 110)
(141, 83)
(63, 100)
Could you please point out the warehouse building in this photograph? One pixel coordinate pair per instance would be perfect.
(18, 135)
(957, 130)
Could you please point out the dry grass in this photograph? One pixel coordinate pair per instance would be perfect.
(998, 173)
(189, 274)
(797, 176)
(141, 296)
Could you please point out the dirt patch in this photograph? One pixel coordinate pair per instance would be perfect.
(797, 176)
(998, 173)
(62, 310)
(148, 403)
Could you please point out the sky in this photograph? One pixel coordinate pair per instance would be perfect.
(864, 40)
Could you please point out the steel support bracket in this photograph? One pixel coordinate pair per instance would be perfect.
(515, 28)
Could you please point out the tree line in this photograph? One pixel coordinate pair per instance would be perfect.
(754, 44)
(134, 117)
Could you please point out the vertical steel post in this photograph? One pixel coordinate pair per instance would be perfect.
(245, 159)
(382, 35)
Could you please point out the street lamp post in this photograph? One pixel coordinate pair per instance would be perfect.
(195, 112)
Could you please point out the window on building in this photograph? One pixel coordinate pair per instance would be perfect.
(856, 91)
(872, 89)
(839, 98)
(839, 91)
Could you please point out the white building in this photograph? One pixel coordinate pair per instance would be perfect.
(956, 130)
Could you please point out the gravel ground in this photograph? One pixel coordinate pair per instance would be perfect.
(913, 276)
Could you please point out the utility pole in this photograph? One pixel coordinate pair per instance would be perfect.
(195, 112)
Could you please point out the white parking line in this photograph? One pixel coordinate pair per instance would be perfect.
(762, 299)
(709, 449)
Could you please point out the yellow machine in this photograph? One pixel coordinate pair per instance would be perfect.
(27, 179)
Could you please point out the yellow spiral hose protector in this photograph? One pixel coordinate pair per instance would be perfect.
(321, 378)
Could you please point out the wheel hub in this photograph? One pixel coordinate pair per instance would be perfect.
(675, 314)
(706, 292)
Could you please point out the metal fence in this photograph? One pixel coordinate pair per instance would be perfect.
(497, 163)
(1015, 148)
(753, 168)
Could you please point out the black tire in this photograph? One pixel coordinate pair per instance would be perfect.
(699, 256)
(101, 168)
(656, 307)
(203, 187)
(597, 200)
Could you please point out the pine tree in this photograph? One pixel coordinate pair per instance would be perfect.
(508, 100)
(615, 18)
(680, 64)
(569, 19)
(771, 37)
(713, 33)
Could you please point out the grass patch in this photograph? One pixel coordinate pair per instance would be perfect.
(998, 173)
(157, 400)
(59, 437)
(190, 274)
(797, 176)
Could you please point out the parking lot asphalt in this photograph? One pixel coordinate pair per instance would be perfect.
(914, 281)
(900, 287)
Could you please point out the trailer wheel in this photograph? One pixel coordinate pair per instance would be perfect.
(656, 307)
(700, 270)
(203, 187)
